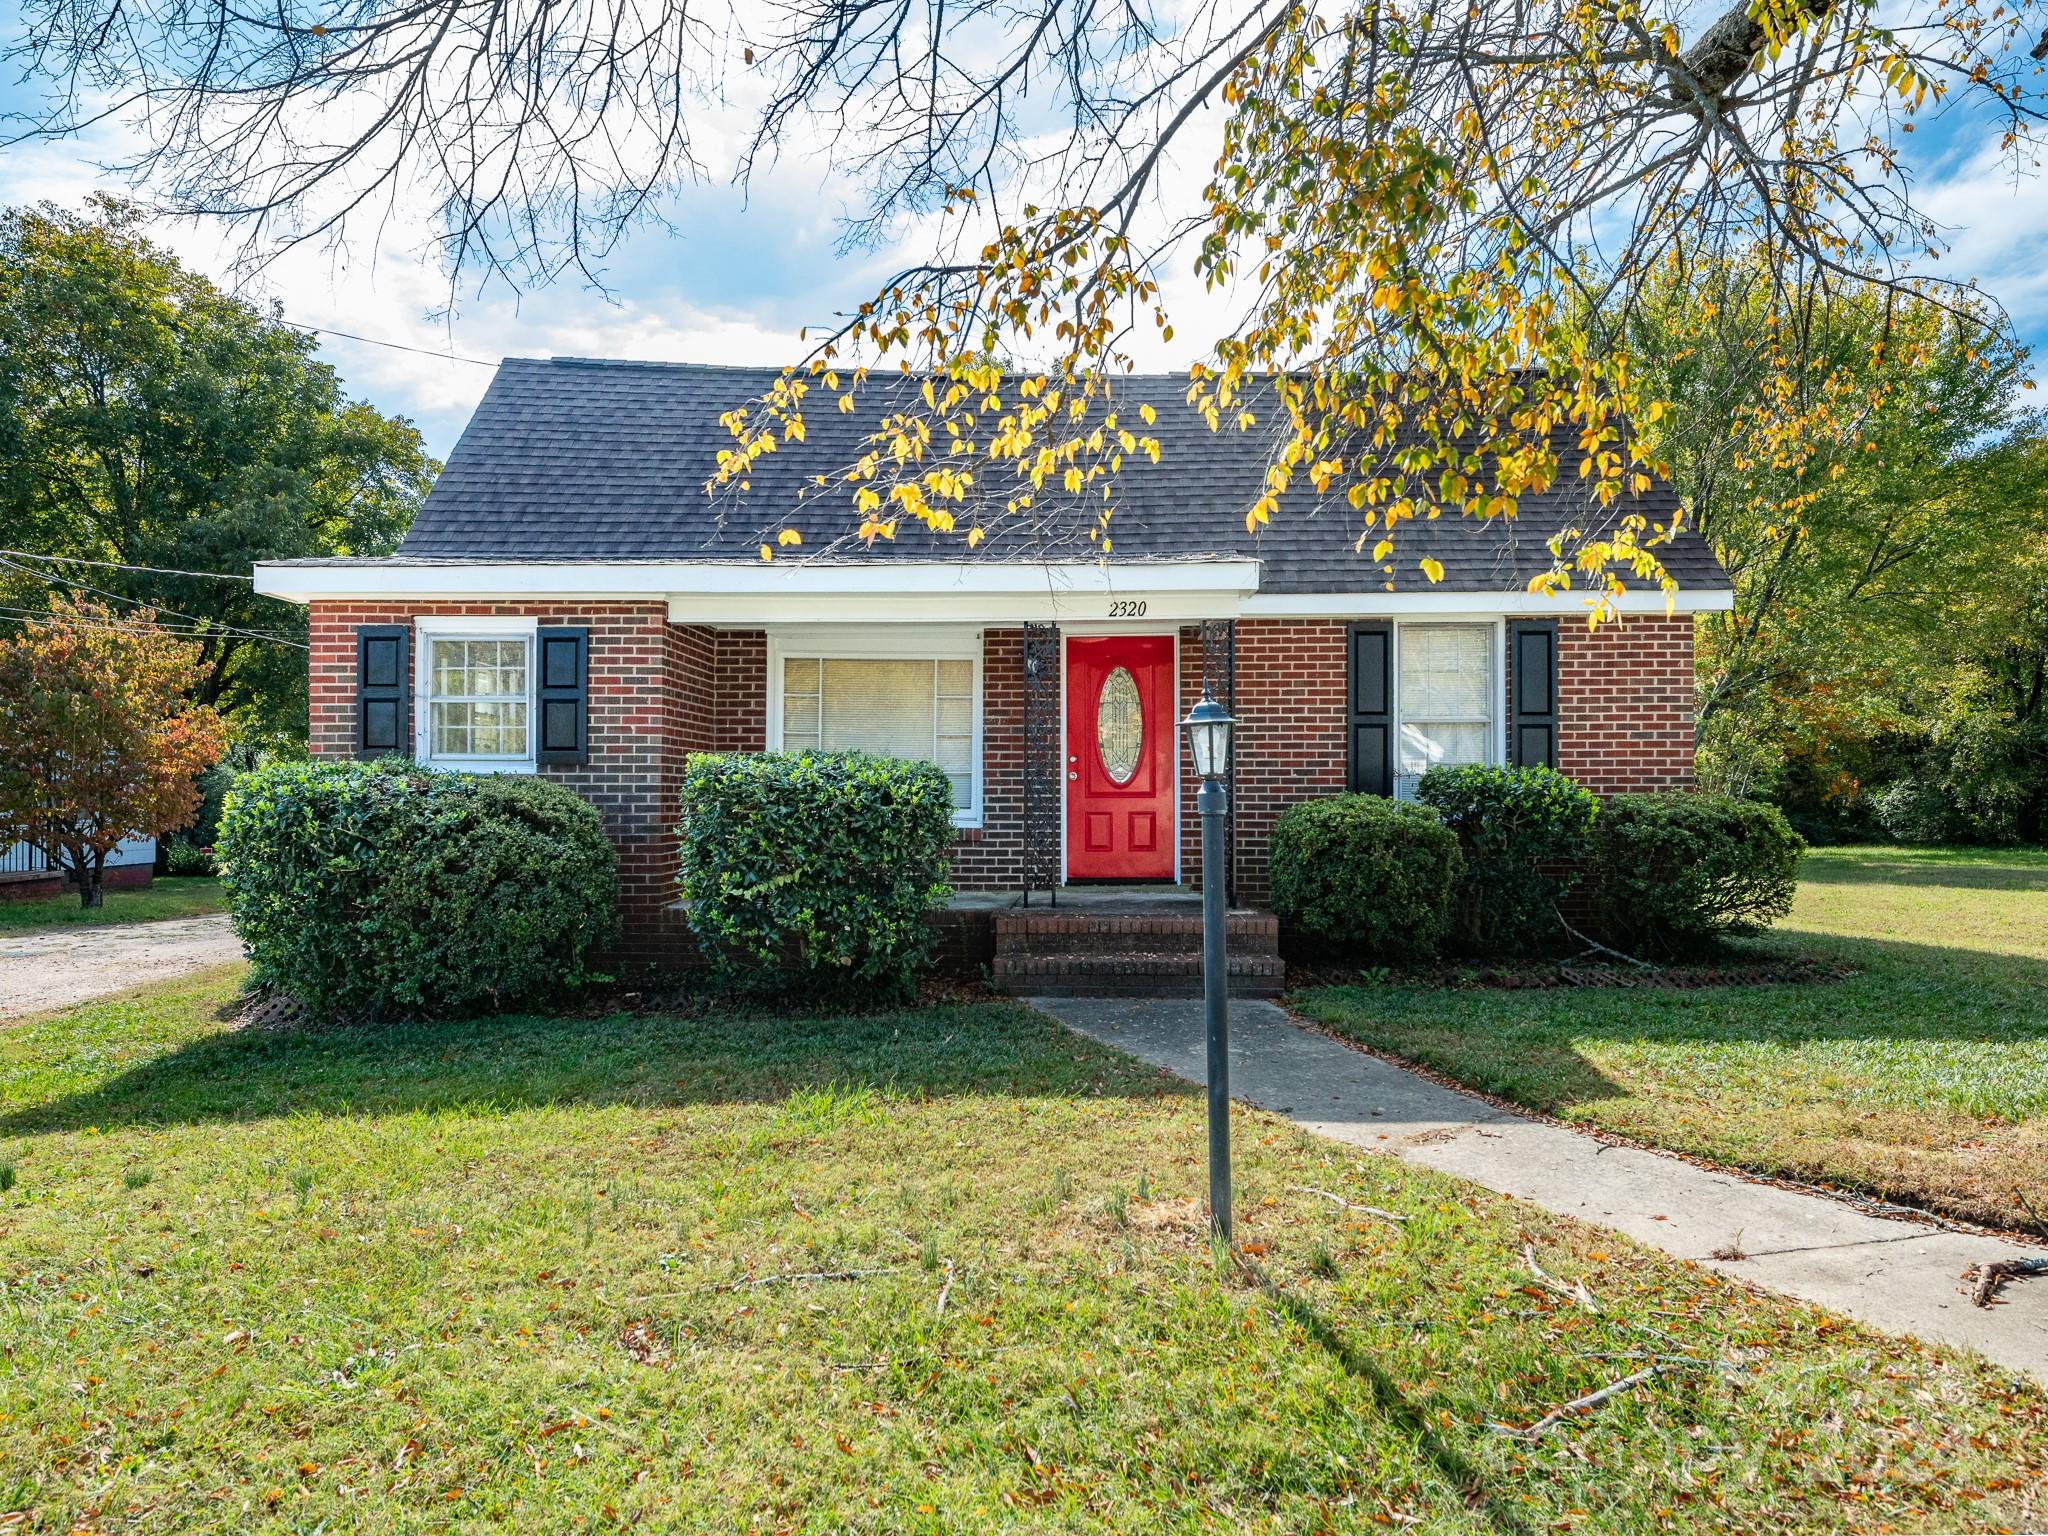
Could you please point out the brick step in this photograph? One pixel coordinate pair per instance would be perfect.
(1246, 933)
(1132, 974)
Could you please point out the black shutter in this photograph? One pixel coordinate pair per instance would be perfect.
(1372, 708)
(383, 671)
(1532, 713)
(563, 657)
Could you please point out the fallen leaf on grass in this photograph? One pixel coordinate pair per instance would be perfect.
(643, 1345)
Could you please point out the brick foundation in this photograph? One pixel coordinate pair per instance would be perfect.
(44, 884)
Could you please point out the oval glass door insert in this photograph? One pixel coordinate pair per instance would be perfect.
(1119, 725)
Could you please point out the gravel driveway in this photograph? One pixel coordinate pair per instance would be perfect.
(55, 967)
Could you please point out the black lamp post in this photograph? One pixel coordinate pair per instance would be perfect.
(1209, 726)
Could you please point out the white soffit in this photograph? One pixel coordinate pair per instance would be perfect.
(893, 591)
(1514, 605)
(922, 592)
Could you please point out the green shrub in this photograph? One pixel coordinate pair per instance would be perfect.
(183, 858)
(1525, 834)
(1675, 872)
(815, 872)
(1358, 873)
(1911, 810)
(379, 889)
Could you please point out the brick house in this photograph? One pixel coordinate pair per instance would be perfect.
(572, 602)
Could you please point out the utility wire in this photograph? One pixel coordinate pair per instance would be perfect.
(115, 565)
(396, 346)
(121, 597)
(134, 627)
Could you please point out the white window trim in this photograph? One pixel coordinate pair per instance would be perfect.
(845, 643)
(1496, 688)
(428, 628)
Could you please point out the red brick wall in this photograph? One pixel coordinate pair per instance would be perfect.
(1625, 703)
(649, 683)
(991, 857)
(1289, 744)
(36, 887)
(661, 691)
(740, 685)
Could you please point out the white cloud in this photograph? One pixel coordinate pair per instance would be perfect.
(1995, 214)
(398, 294)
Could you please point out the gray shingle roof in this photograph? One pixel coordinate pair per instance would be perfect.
(568, 459)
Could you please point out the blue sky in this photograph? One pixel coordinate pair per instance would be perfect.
(742, 275)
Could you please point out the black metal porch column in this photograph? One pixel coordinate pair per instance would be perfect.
(1042, 761)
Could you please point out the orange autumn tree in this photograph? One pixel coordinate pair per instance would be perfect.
(99, 743)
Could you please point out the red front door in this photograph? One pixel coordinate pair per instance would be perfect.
(1120, 822)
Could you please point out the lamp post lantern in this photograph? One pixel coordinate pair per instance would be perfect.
(1209, 728)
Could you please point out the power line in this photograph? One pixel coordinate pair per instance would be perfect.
(136, 627)
(115, 565)
(396, 346)
(121, 597)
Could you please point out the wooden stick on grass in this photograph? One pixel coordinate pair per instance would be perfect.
(1574, 1292)
(1579, 1405)
(815, 1274)
(1595, 947)
(1345, 1205)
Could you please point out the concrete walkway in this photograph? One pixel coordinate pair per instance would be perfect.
(1899, 1276)
(55, 967)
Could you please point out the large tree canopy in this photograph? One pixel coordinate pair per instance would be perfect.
(1881, 504)
(1411, 205)
(148, 419)
(1860, 488)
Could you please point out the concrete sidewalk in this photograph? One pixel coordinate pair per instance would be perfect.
(1899, 1276)
(54, 967)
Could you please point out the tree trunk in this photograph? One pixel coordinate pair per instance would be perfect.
(90, 893)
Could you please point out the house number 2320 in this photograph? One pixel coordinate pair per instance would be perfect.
(1125, 608)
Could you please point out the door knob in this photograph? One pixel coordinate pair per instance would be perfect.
(1073, 776)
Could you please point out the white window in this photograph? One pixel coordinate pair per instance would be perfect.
(922, 703)
(1445, 700)
(476, 694)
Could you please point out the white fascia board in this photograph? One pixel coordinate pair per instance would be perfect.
(1518, 605)
(771, 591)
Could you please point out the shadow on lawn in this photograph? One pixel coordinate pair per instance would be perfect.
(1527, 1044)
(630, 1059)
(1957, 871)
(1413, 1419)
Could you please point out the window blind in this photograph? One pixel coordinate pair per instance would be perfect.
(907, 707)
(1446, 696)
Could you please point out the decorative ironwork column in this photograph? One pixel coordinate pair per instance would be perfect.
(1042, 761)
(1219, 677)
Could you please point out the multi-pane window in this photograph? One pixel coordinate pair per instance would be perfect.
(477, 698)
(1445, 698)
(909, 707)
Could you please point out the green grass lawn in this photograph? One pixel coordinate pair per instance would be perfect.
(924, 1271)
(1923, 1077)
(173, 896)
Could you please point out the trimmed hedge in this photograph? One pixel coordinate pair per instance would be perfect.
(379, 889)
(1359, 872)
(1673, 873)
(815, 872)
(1525, 834)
